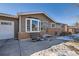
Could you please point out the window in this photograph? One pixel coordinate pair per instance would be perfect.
(32, 25)
(53, 25)
(35, 25)
(5, 23)
(28, 25)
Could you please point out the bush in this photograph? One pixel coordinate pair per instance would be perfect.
(65, 33)
(76, 32)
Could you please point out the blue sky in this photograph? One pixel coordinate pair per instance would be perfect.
(64, 13)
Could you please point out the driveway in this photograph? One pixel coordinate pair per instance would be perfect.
(9, 48)
(24, 48)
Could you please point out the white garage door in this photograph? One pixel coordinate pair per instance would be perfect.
(6, 29)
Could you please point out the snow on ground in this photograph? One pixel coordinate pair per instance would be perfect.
(71, 37)
(62, 49)
(54, 47)
(75, 35)
(57, 50)
(65, 38)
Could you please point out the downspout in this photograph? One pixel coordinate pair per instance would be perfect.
(19, 23)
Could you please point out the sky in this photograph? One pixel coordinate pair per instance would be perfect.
(62, 12)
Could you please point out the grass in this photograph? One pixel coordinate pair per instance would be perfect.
(74, 49)
(72, 45)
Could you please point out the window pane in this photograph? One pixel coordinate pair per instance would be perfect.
(5, 23)
(28, 25)
(53, 25)
(34, 25)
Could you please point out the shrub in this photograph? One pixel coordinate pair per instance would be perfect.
(76, 32)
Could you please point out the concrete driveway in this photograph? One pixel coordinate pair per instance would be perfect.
(24, 48)
(9, 48)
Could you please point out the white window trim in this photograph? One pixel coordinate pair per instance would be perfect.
(31, 25)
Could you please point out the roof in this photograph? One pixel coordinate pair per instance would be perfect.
(27, 13)
(72, 27)
(8, 15)
(60, 23)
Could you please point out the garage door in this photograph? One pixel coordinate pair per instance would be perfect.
(6, 29)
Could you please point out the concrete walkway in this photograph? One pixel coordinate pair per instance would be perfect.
(24, 48)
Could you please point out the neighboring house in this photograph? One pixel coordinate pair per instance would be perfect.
(62, 27)
(67, 29)
(74, 29)
(77, 27)
(71, 29)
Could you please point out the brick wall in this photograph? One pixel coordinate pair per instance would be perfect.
(23, 35)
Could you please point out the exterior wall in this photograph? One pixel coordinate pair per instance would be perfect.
(15, 24)
(23, 35)
(58, 26)
(38, 16)
(65, 27)
(54, 31)
(22, 18)
(71, 30)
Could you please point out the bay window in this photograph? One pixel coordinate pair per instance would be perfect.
(32, 25)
